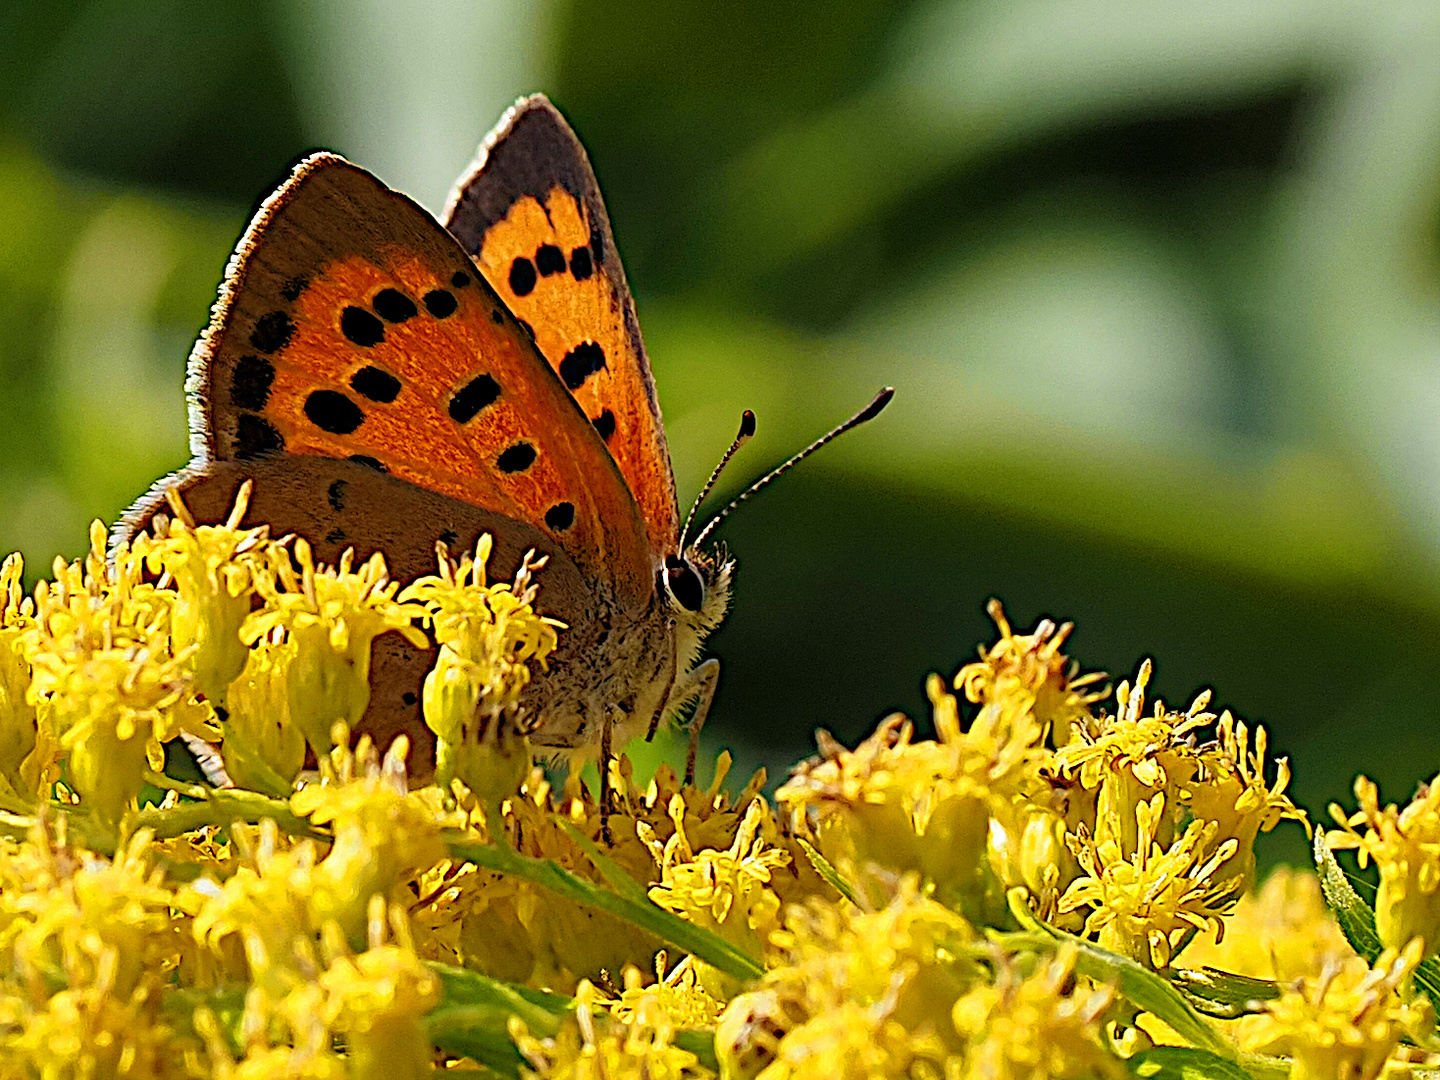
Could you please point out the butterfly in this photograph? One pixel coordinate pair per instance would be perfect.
(389, 381)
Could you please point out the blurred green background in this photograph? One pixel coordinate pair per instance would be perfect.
(1156, 282)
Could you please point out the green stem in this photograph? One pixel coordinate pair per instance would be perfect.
(699, 942)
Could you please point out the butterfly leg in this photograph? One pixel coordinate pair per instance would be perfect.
(607, 738)
(700, 686)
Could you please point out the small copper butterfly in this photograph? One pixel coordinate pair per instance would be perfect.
(387, 383)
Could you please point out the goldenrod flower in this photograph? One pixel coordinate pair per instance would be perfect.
(848, 1041)
(265, 906)
(1230, 790)
(1346, 1024)
(1283, 931)
(1028, 672)
(594, 1046)
(876, 905)
(1027, 847)
(926, 806)
(853, 993)
(383, 834)
(86, 947)
(1128, 758)
(488, 638)
(264, 749)
(332, 614)
(89, 1033)
(1044, 1026)
(18, 772)
(106, 681)
(722, 890)
(261, 1060)
(1143, 903)
(214, 569)
(676, 997)
(512, 929)
(1405, 845)
(377, 1000)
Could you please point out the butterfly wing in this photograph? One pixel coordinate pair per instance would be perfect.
(529, 210)
(352, 326)
(338, 504)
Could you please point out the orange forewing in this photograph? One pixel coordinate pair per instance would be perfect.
(530, 211)
(353, 326)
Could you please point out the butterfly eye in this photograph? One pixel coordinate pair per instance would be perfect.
(683, 581)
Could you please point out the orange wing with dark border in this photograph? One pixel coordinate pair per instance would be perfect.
(529, 210)
(351, 325)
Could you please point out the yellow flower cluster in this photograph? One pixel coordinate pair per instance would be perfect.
(1042, 890)
(206, 625)
(1117, 826)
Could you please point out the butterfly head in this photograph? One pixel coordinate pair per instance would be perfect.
(696, 585)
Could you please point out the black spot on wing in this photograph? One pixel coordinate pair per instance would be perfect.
(336, 495)
(549, 260)
(516, 458)
(496, 317)
(580, 363)
(597, 245)
(459, 279)
(292, 289)
(375, 384)
(361, 327)
(448, 536)
(335, 536)
(466, 403)
(394, 306)
(256, 438)
(332, 411)
(581, 265)
(522, 276)
(560, 516)
(409, 698)
(440, 303)
(250, 383)
(272, 331)
(605, 424)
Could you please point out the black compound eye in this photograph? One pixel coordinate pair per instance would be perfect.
(684, 583)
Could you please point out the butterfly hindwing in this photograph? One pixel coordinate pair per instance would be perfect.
(529, 210)
(337, 505)
(353, 326)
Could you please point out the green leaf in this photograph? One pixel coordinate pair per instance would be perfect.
(1143, 988)
(476, 1031)
(1136, 984)
(1356, 918)
(1184, 1063)
(701, 1043)
(1220, 993)
(540, 1009)
(613, 873)
(226, 1004)
(223, 806)
(826, 869)
(701, 943)
(473, 1020)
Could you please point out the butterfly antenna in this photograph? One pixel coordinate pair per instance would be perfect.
(747, 430)
(868, 413)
